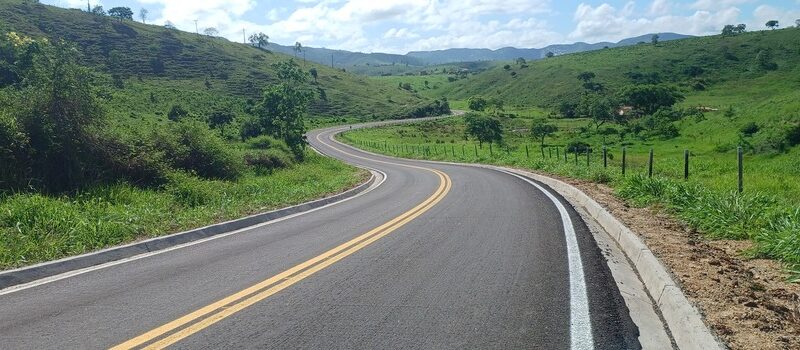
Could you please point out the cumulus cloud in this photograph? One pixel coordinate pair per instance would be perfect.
(605, 22)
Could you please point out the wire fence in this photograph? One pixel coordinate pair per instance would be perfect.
(583, 156)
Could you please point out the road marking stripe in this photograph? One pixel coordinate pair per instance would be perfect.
(240, 300)
(55, 278)
(580, 329)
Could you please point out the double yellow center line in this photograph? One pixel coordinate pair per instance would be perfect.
(198, 320)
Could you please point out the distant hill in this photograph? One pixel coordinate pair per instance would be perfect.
(190, 65)
(356, 61)
(722, 69)
(343, 59)
(511, 53)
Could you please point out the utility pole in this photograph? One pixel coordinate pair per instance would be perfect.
(331, 60)
(244, 37)
(88, 6)
(196, 29)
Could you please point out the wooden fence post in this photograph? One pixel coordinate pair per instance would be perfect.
(740, 156)
(686, 164)
(623, 160)
(605, 157)
(650, 165)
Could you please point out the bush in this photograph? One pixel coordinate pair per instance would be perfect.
(51, 117)
(191, 146)
(266, 161)
(251, 127)
(263, 142)
(177, 113)
(749, 129)
(578, 146)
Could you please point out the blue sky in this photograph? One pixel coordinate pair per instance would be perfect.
(399, 26)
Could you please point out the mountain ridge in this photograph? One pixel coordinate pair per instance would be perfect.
(343, 58)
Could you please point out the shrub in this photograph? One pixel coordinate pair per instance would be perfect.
(176, 113)
(749, 129)
(191, 146)
(578, 146)
(251, 127)
(266, 161)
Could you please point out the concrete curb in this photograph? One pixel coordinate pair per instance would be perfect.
(683, 320)
(32, 273)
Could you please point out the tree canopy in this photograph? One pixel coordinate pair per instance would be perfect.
(541, 129)
(284, 105)
(121, 13)
(484, 128)
(259, 39)
(477, 103)
(647, 99)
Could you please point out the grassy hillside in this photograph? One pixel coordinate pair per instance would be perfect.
(716, 64)
(167, 61)
(115, 131)
(743, 103)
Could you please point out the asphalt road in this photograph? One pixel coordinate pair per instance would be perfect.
(436, 257)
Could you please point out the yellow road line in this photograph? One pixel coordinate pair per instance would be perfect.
(238, 301)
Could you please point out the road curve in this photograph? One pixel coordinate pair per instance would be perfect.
(437, 256)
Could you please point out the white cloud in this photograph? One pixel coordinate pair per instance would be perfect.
(660, 7)
(605, 22)
(717, 4)
(765, 13)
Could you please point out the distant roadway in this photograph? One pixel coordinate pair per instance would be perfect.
(435, 257)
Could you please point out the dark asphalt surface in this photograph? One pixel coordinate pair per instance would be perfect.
(484, 268)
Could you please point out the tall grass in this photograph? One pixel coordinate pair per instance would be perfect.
(36, 227)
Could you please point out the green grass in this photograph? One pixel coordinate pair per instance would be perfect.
(766, 212)
(36, 227)
(234, 71)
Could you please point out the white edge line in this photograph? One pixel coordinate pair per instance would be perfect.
(51, 279)
(580, 322)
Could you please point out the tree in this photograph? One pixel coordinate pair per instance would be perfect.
(647, 99)
(772, 24)
(731, 30)
(169, 25)
(143, 15)
(211, 31)
(549, 54)
(521, 61)
(121, 13)
(797, 23)
(477, 103)
(588, 83)
(259, 39)
(219, 119)
(483, 128)
(541, 129)
(298, 48)
(50, 117)
(654, 39)
(314, 74)
(98, 10)
(599, 109)
(284, 105)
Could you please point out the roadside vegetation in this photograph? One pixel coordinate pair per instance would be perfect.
(113, 130)
(75, 179)
(708, 96)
